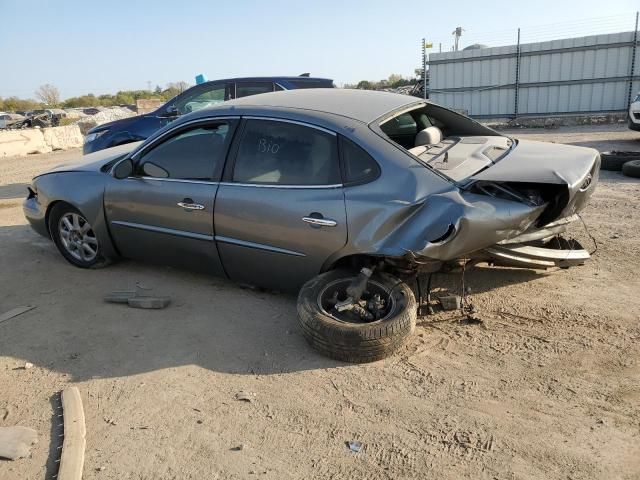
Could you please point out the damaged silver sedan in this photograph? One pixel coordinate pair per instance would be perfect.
(346, 193)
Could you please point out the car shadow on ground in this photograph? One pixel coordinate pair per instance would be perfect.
(212, 323)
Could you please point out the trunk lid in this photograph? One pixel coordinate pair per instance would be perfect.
(541, 162)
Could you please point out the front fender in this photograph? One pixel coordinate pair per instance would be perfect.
(84, 191)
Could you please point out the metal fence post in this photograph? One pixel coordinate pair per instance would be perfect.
(424, 69)
(633, 63)
(517, 84)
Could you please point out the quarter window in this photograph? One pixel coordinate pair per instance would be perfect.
(195, 154)
(273, 152)
(359, 166)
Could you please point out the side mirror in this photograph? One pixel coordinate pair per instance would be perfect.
(123, 169)
(171, 111)
(153, 170)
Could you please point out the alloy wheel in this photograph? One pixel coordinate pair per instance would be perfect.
(77, 237)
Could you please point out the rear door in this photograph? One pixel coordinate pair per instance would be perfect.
(280, 212)
(164, 211)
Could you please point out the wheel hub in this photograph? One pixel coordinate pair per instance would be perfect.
(377, 302)
(77, 237)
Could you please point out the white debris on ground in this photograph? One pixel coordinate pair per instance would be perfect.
(105, 116)
(75, 114)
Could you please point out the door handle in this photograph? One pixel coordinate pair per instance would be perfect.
(320, 222)
(188, 204)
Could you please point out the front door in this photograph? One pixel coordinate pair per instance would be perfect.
(280, 213)
(164, 211)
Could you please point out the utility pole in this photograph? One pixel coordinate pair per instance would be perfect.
(457, 33)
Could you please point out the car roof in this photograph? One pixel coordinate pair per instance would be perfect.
(266, 79)
(362, 105)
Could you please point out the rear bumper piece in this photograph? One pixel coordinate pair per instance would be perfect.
(526, 256)
(550, 230)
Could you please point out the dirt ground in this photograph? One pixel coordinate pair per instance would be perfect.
(547, 387)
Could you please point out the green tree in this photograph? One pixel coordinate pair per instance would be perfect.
(364, 85)
(13, 104)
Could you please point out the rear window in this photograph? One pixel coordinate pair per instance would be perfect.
(312, 83)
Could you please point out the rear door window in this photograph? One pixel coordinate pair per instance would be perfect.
(246, 89)
(312, 83)
(283, 153)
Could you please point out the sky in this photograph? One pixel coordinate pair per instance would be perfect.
(98, 47)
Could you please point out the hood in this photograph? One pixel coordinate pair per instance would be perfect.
(117, 123)
(93, 162)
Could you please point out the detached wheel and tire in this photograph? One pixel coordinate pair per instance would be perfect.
(344, 335)
(75, 238)
(631, 169)
(615, 160)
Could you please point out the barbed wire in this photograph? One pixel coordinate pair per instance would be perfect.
(538, 33)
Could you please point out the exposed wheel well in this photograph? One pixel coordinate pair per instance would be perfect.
(353, 262)
(401, 266)
(48, 213)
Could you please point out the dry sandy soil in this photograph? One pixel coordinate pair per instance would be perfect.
(548, 386)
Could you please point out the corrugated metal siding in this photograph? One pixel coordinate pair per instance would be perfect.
(585, 74)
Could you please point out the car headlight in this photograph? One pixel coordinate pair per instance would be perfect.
(94, 136)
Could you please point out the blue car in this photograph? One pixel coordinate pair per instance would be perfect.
(138, 128)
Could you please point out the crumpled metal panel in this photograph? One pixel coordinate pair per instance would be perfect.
(478, 221)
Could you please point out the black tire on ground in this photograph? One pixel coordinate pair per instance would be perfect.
(631, 169)
(356, 342)
(614, 160)
(59, 211)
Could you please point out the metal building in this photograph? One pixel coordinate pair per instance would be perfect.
(590, 74)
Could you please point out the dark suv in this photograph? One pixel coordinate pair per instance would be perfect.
(204, 95)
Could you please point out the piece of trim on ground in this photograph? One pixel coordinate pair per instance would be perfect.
(72, 458)
(14, 312)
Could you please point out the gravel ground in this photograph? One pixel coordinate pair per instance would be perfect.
(547, 386)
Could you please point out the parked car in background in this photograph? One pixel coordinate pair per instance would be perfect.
(634, 114)
(49, 117)
(353, 192)
(10, 120)
(207, 94)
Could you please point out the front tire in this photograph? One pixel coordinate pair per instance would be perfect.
(356, 342)
(75, 238)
